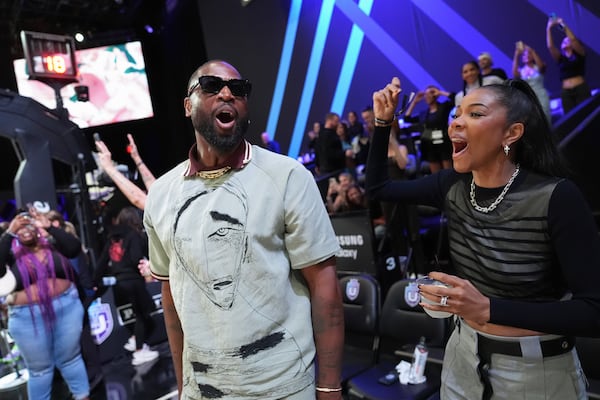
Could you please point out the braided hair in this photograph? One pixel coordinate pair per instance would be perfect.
(38, 272)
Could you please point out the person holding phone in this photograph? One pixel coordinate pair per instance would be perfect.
(336, 192)
(571, 63)
(530, 67)
(45, 312)
(435, 143)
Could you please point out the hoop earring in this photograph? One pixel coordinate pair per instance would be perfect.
(506, 149)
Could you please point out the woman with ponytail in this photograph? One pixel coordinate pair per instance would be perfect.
(524, 247)
(45, 314)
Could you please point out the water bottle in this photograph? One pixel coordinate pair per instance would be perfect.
(419, 360)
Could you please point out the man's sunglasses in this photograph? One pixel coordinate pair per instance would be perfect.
(214, 84)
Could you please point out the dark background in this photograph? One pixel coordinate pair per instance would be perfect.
(426, 40)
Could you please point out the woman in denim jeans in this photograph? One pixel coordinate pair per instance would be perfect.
(45, 313)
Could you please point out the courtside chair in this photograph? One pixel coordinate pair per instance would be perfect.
(400, 329)
(362, 305)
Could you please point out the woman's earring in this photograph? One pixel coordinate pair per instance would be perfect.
(506, 149)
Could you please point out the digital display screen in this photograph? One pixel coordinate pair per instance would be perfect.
(55, 64)
(115, 77)
(49, 56)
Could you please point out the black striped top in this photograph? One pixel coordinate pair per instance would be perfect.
(536, 256)
(507, 252)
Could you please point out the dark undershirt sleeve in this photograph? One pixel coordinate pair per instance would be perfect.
(575, 239)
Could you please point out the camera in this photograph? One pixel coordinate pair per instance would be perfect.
(82, 92)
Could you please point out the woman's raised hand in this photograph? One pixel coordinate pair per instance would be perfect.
(385, 101)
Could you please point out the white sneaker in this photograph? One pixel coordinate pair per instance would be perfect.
(144, 355)
(130, 345)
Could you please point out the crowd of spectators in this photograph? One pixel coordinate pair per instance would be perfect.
(419, 142)
(418, 145)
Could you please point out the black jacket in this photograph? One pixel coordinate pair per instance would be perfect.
(120, 257)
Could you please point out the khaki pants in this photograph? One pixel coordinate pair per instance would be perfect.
(512, 378)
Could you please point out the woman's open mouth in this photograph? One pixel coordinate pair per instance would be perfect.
(459, 146)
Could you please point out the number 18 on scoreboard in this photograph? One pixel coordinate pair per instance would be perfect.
(49, 56)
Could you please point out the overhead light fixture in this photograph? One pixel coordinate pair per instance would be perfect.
(79, 37)
(245, 2)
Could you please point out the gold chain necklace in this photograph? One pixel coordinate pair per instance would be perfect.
(214, 174)
(217, 173)
(500, 197)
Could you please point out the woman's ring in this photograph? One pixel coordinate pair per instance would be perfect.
(444, 301)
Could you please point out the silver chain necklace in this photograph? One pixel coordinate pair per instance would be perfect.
(500, 197)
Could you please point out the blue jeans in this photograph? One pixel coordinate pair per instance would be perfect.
(45, 350)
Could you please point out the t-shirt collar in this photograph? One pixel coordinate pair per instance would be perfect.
(237, 160)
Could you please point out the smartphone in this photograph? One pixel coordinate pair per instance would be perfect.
(519, 45)
(24, 214)
(96, 137)
(389, 379)
(554, 17)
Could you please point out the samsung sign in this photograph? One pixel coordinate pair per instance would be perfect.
(355, 235)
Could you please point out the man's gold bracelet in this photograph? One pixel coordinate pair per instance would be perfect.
(328, 390)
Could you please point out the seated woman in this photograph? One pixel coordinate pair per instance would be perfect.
(355, 199)
(336, 191)
(45, 313)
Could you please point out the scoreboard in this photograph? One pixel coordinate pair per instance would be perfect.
(49, 56)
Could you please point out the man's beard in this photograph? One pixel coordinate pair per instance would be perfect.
(224, 144)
